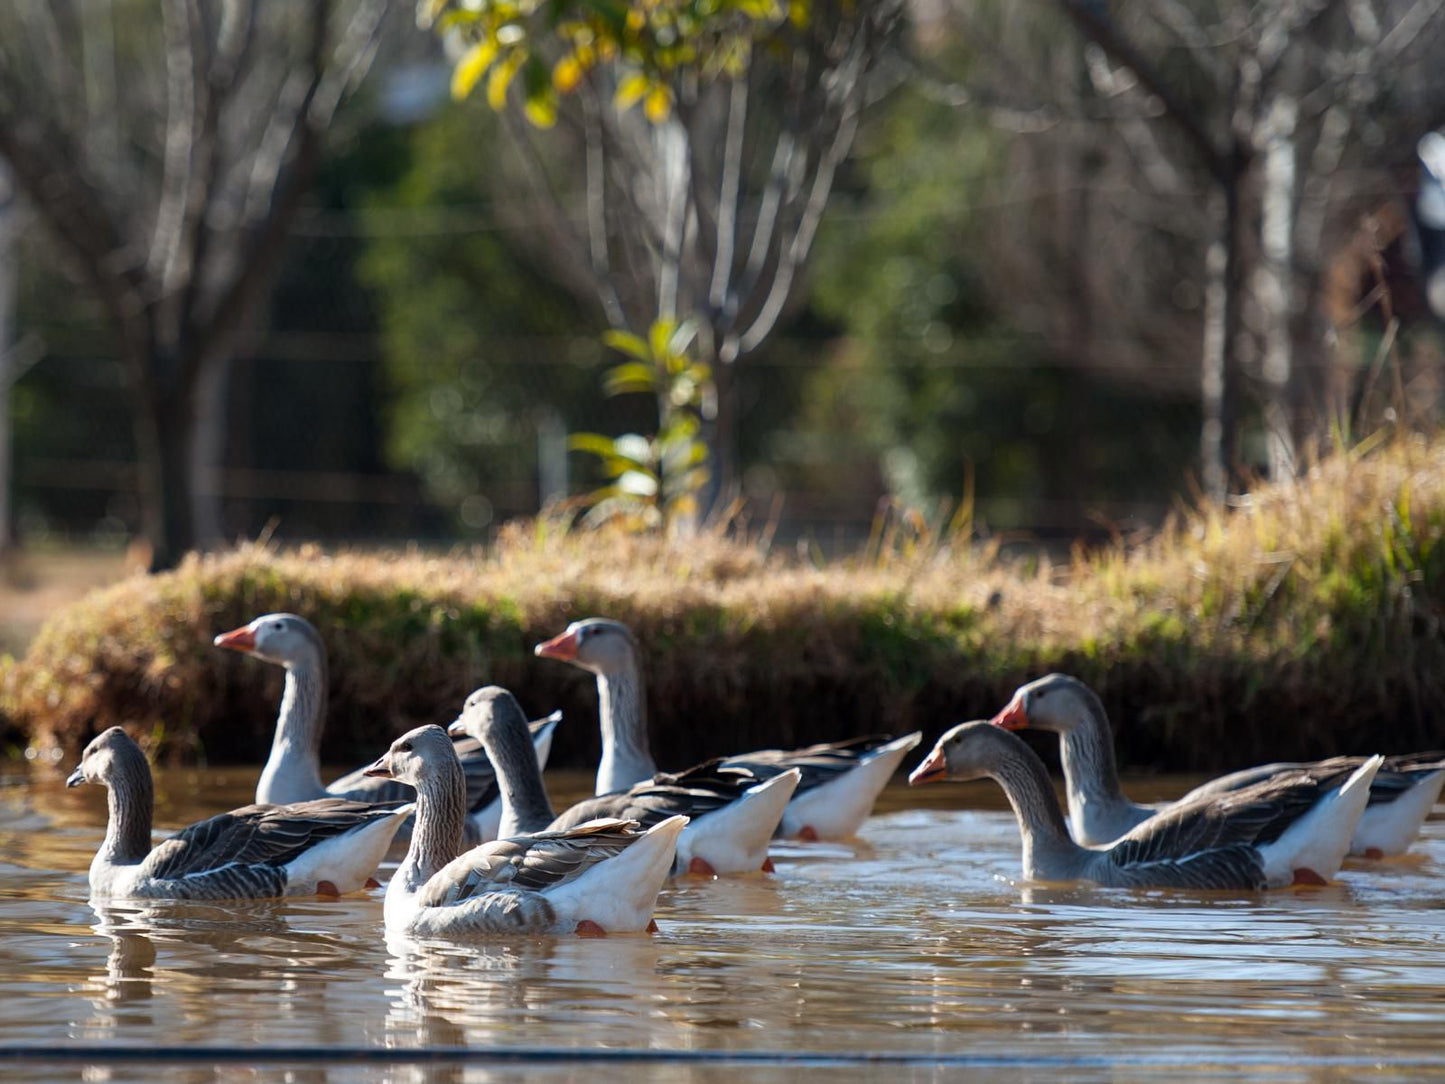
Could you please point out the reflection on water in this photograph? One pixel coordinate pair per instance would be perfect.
(915, 940)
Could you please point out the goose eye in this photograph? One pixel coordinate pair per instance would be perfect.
(405, 747)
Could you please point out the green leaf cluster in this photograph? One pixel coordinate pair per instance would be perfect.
(554, 44)
(654, 480)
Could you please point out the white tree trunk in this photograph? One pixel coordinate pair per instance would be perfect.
(1274, 290)
(8, 276)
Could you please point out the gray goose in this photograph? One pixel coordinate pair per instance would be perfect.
(1401, 795)
(597, 878)
(732, 812)
(293, 770)
(329, 846)
(839, 781)
(1293, 828)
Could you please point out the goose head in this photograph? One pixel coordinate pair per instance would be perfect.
(1055, 702)
(415, 756)
(488, 711)
(284, 639)
(596, 644)
(109, 754)
(968, 751)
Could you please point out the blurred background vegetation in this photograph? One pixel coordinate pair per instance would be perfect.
(1073, 260)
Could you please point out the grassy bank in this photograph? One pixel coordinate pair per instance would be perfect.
(1304, 621)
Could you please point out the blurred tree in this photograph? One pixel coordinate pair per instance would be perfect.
(705, 202)
(1284, 107)
(168, 156)
(953, 381)
(483, 351)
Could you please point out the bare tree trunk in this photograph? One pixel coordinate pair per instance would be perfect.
(1274, 291)
(1223, 296)
(165, 433)
(8, 276)
(207, 450)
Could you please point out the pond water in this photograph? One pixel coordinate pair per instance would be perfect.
(914, 947)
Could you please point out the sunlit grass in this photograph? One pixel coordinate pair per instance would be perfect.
(1302, 620)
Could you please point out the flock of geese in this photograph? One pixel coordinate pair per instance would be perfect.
(487, 855)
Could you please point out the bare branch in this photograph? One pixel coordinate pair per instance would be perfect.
(562, 224)
(795, 254)
(596, 185)
(1100, 29)
(181, 23)
(1407, 29)
(727, 215)
(676, 202)
(275, 205)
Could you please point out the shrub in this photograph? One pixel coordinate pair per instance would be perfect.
(1302, 622)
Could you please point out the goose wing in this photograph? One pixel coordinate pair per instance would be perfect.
(1212, 841)
(528, 863)
(699, 790)
(259, 835)
(1395, 777)
(818, 763)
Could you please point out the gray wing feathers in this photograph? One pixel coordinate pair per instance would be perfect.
(1213, 840)
(1395, 777)
(699, 790)
(528, 863)
(244, 851)
(818, 763)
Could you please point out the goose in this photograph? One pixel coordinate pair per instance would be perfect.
(1401, 796)
(1293, 828)
(596, 878)
(840, 781)
(732, 812)
(293, 770)
(329, 846)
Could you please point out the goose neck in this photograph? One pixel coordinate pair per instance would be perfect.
(438, 832)
(1048, 852)
(1091, 777)
(626, 753)
(525, 806)
(293, 770)
(130, 796)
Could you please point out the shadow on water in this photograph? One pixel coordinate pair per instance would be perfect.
(915, 941)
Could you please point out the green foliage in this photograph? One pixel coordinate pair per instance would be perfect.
(655, 480)
(945, 388)
(554, 44)
(474, 358)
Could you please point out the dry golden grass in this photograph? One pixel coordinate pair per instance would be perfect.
(1305, 621)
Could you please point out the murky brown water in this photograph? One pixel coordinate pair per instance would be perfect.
(914, 943)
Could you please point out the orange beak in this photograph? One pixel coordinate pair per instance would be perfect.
(242, 639)
(1013, 717)
(379, 768)
(456, 729)
(931, 770)
(562, 646)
